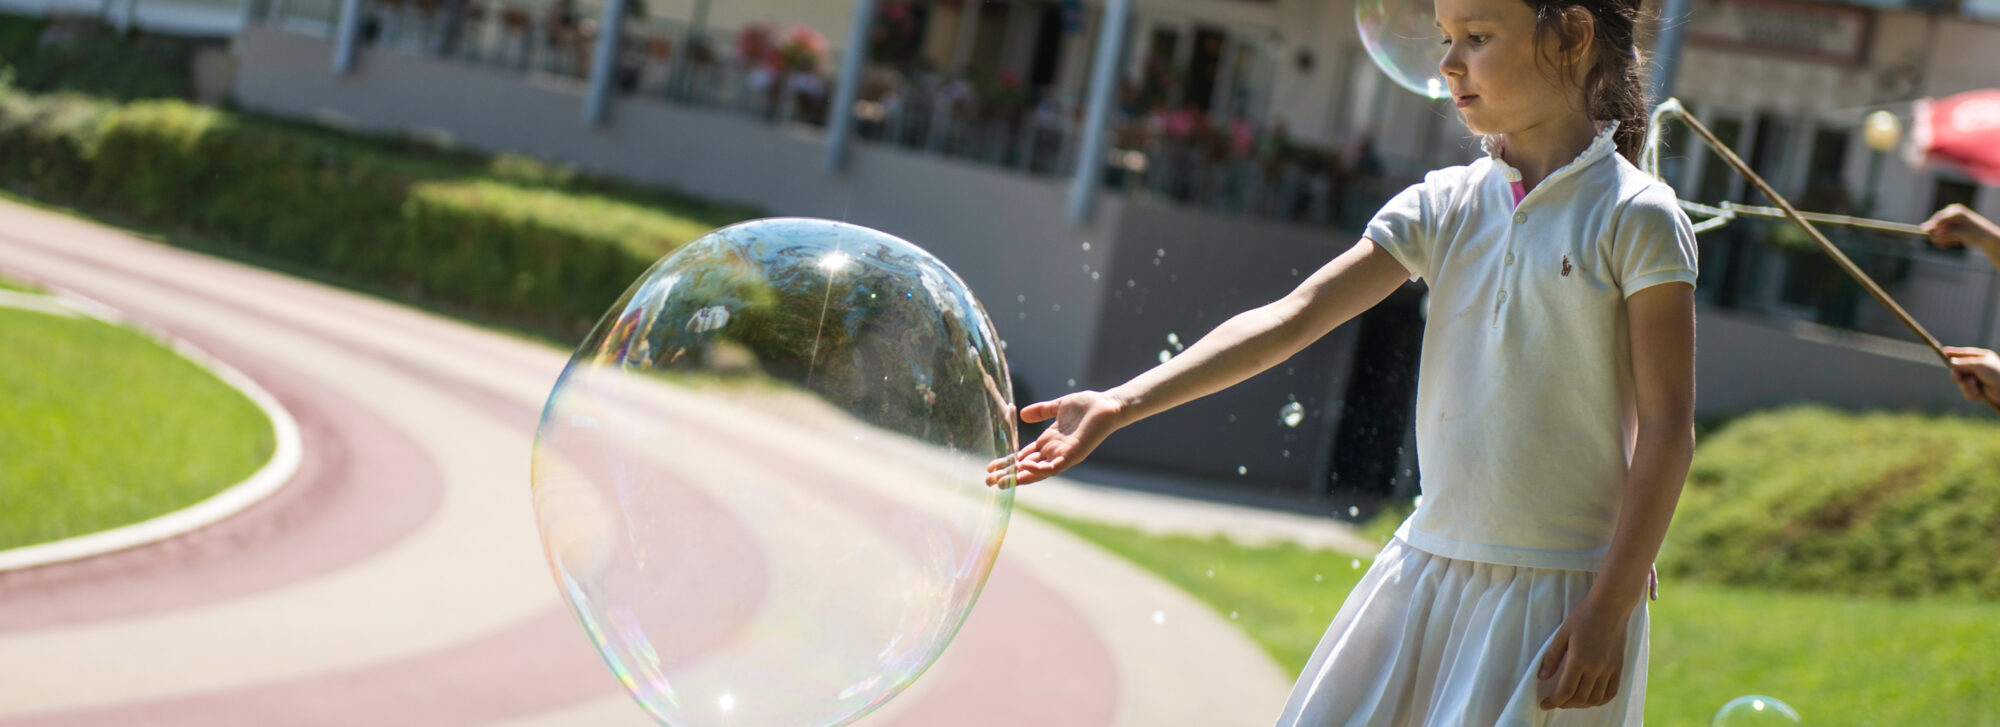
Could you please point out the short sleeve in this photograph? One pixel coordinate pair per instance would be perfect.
(1654, 242)
(1401, 228)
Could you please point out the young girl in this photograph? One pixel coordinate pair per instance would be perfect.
(1555, 396)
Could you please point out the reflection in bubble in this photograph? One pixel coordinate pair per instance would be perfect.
(760, 480)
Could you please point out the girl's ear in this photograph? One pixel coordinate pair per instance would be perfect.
(1579, 33)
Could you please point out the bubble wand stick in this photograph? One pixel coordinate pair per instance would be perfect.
(1672, 107)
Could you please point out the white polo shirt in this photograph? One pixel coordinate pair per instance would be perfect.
(1525, 412)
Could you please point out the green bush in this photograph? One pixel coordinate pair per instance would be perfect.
(514, 240)
(1815, 499)
(87, 56)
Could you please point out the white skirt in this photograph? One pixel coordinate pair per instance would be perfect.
(1428, 641)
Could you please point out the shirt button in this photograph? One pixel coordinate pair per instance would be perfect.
(1510, 258)
(1503, 296)
(1520, 217)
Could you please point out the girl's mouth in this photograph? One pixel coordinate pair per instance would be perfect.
(1466, 100)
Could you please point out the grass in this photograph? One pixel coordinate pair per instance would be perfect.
(105, 427)
(1840, 660)
(17, 286)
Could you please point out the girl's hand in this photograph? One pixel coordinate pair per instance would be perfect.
(1083, 420)
(1586, 658)
(1977, 373)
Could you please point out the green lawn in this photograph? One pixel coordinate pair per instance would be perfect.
(7, 283)
(103, 427)
(1840, 660)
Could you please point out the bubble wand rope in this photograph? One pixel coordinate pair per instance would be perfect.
(1651, 158)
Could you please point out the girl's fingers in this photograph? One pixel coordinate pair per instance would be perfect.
(1553, 658)
(1038, 411)
(1598, 688)
(1565, 691)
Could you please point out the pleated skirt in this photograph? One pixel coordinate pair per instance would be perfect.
(1429, 641)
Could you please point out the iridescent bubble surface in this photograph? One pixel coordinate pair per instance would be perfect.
(1403, 39)
(1756, 710)
(760, 481)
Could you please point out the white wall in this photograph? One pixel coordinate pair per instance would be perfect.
(1743, 364)
(826, 16)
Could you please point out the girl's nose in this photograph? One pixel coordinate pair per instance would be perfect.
(1453, 64)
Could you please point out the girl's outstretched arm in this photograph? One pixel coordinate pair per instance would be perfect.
(1242, 346)
(1587, 654)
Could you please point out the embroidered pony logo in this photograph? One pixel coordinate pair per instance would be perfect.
(1566, 266)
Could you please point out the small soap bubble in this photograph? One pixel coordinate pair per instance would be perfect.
(1292, 414)
(1354, 564)
(1353, 511)
(1756, 710)
(1159, 617)
(1166, 356)
(1242, 470)
(1086, 246)
(1316, 578)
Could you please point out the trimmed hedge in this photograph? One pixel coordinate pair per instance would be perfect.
(88, 56)
(507, 238)
(1815, 499)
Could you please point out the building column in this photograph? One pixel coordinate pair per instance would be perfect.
(848, 86)
(968, 34)
(604, 62)
(1111, 32)
(347, 36)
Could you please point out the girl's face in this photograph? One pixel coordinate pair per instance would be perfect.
(1503, 79)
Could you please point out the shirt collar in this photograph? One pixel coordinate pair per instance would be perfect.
(1604, 145)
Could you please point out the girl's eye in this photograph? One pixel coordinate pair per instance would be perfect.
(1476, 39)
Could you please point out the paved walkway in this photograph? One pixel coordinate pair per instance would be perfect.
(398, 579)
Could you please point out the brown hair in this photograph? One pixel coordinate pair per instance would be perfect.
(1616, 87)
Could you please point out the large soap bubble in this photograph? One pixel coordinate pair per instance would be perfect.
(761, 480)
(1756, 710)
(1403, 39)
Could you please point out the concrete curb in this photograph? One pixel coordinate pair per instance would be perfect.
(286, 454)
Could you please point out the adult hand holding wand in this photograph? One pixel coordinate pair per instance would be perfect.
(1673, 107)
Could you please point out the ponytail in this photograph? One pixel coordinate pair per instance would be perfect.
(1616, 88)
